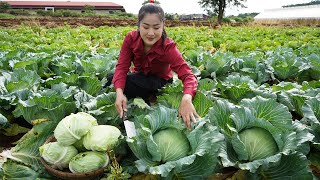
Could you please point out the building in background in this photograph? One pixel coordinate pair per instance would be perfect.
(99, 7)
(194, 17)
(311, 12)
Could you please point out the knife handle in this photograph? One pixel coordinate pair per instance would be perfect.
(124, 116)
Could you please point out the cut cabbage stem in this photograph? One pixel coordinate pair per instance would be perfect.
(114, 162)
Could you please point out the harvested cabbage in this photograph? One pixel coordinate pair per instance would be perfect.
(56, 155)
(71, 128)
(101, 138)
(88, 161)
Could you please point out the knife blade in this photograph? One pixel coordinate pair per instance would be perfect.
(129, 126)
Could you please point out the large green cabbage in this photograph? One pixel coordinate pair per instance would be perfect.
(101, 138)
(172, 144)
(261, 139)
(164, 146)
(259, 143)
(71, 128)
(88, 161)
(58, 156)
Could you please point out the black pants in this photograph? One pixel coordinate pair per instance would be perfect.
(141, 85)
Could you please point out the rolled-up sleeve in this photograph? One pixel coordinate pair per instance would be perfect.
(184, 72)
(124, 63)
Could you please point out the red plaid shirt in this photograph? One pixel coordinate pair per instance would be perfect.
(160, 60)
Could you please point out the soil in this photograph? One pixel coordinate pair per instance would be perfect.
(90, 21)
(8, 141)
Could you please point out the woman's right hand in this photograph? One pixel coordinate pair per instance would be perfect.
(121, 102)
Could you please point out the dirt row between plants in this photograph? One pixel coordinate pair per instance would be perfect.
(91, 21)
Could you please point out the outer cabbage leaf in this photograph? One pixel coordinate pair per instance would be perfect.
(217, 65)
(101, 106)
(294, 166)
(65, 63)
(101, 63)
(47, 103)
(15, 171)
(137, 109)
(250, 65)
(20, 79)
(236, 87)
(172, 98)
(314, 60)
(4, 123)
(269, 110)
(293, 99)
(23, 160)
(91, 85)
(68, 78)
(207, 85)
(171, 95)
(285, 64)
(219, 115)
(311, 112)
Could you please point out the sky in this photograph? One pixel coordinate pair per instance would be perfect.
(193, 7)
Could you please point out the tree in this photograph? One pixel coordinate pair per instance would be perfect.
(4, 6)
(218, 6)
(88, 9)
(314, 2)
(148, 1)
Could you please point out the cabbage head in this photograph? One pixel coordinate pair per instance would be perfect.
(172, 144)
(88, 161)
(165, 147)
(101, 138)
(56, 155)
(262, 139)
(71, 128)
(259, 143)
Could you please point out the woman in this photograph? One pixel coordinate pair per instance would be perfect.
(154, 56)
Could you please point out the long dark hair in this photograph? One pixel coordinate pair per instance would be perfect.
(152, 8)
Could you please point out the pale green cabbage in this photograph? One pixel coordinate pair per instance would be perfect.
(172, 144)
(58, 156)
(71, 128)
(88, 161)
(259, 143)
(101, 138)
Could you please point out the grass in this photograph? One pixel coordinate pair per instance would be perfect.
(5, 15)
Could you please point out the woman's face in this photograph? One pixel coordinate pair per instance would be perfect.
(151, 28)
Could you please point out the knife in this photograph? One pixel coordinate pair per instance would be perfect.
(129, 126)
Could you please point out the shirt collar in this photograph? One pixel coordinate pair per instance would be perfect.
(159, 47)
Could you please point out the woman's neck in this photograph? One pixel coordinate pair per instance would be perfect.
(147, 48)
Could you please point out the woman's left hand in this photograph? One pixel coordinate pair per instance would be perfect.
(187, 110)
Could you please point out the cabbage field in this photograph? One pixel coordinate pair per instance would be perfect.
(258, 98)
